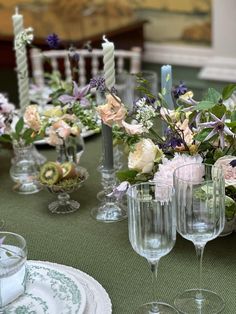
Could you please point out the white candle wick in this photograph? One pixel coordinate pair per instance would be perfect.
(105, 39)
(16, 10)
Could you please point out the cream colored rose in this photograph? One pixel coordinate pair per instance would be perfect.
(172, 114)
(113, 111)
(32, 118)
(143, 157)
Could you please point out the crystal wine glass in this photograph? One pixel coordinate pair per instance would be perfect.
(152, 231)
(200, 195)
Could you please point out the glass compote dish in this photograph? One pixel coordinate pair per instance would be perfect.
(200, 199)
(152, 231)
(64, 204)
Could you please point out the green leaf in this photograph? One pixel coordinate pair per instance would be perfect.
(5, 138)
(231, 124)
(212, 95)
(228, 91)
(127, 175)
(205, 105)
(202, 134)
(27, 136)
(19, 125)
(219, 110)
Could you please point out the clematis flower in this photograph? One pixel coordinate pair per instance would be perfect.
(79, 94)
(132, 129)
(113, 111)
(219, 127)
(120, 190)
(180, 90)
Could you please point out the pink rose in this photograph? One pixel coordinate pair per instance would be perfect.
(227, 164)
(113, 111)
(62, 128)
(53, 138)
(32, 117)
(132, 129)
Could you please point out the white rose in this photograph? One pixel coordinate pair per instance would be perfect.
(143, 156)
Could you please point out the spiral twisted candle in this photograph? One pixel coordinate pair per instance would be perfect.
(109, 63)
(21, 63)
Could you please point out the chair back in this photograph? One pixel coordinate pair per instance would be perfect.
(58, 61)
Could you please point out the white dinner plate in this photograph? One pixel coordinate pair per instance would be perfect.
(97, 299)
(49, 291)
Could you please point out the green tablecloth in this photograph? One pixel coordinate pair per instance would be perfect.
(103, 250)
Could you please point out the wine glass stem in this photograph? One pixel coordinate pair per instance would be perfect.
(154, 267)
(199, 252)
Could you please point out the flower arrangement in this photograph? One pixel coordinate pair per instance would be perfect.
(158, 139)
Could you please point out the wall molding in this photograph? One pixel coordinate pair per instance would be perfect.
(212, 67)
(183, 55)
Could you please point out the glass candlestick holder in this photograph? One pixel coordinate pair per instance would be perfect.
(109, 209)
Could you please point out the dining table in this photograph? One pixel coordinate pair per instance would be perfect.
(103, 250)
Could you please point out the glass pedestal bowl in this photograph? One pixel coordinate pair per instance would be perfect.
(64, 204)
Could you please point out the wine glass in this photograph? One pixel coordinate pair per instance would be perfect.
(152, 231)
(200, 196)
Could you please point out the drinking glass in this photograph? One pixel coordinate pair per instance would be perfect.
(13, 254)
(200, 195)
(152, 231)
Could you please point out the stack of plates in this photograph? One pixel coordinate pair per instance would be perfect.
(58, 289)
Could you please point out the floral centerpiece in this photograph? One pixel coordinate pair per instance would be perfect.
(158, 139)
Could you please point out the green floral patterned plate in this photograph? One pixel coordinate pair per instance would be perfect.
(49, 291)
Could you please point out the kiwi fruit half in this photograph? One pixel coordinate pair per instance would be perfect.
(50, 173)
(69, 170)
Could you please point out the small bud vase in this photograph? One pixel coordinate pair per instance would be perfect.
(24, 170)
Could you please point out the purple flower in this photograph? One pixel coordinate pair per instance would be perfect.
(98, 83)
(120, 190)
(79, 94)
(219, 127)
(53, 41)
(179, 90)
(233, 163)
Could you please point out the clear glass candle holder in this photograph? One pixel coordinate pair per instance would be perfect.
(13, 255)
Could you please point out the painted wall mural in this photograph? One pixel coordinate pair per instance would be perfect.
(175, 21)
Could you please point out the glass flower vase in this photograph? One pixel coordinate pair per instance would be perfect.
(71, 149)
(24, 171)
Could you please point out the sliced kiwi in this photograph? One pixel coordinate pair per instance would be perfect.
(50, 173)
(69, 170)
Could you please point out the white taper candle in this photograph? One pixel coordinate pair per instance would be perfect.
(109, 63)
(109, 73)
(21, 63)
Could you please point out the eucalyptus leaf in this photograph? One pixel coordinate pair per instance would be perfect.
(202, 134)
(5, 138)
(205, 105)
(228, 91)
(19, 125)
(212, 95)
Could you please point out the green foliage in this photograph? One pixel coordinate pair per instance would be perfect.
(205, 105)
(5, 138)
(228, 91)
(86, 118)
(212, 96)
(127, 175)
(202, 134)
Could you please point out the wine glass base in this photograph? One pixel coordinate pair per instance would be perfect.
(156, 308)
(27, 188)
(190, 302)
(109, 212)
(70, 207)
